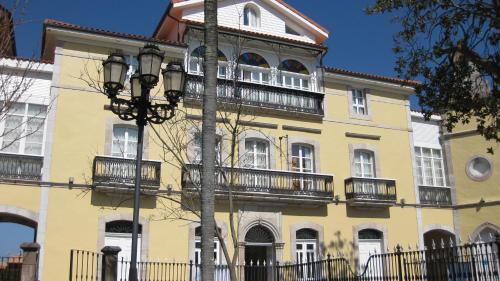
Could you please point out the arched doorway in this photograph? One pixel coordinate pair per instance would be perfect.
(18, 229)
(438, 238)
(259, 245)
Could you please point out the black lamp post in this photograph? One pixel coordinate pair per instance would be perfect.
(139, 106)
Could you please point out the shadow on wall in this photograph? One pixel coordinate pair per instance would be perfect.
(353, 212)
(337, 245)
(121, 200)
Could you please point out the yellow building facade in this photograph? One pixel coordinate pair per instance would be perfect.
(326, 159)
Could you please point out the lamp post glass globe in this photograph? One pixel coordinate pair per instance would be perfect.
(174, 78)
(135, 85)
(150, 59)
(115, 71)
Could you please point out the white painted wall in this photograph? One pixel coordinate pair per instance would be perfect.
(230, 14)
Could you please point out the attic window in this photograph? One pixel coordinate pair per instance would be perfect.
(251, 16)
(290, 30)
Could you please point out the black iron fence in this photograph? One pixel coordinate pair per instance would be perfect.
(21, 167)
(370, 189)
(10, 268)
(114, 171)
(258, 95)
(474, 262)
(261, 180)
(433, 195)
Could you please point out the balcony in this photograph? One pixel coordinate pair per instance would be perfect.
(437, 196)
(21, 167)
(264, 97)
(265, 185)
(370, 192)
(118, 174)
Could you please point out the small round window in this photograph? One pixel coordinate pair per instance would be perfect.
(479, 168)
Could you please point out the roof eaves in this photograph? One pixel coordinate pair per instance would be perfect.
(59, 24)
(395, 80)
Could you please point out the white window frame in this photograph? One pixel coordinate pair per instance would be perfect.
(24, 127)
(259, 71)
(419, 158)
(197, 251)
(247, 16)
(197, 148)
(301, 157)
(359, 107)
(199, 65)
(295, 77)
(254, 153)
(362, 160)
(124, 154)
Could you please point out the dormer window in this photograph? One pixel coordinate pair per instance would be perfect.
(251, 16)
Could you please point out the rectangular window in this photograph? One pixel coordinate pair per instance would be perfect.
(430, 166)
(24, 128)
(197, 148)
(359, 102)
(197, 251)
(124, 142)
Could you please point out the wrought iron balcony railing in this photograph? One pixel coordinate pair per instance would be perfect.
(21, 167)
(370, 190)
(263, 183)
(258, 95)
(120, 173)
(433, 195)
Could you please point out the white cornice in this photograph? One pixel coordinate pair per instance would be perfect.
(26, 64)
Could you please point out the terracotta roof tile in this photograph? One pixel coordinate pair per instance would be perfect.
(56, 23)
(395, 80)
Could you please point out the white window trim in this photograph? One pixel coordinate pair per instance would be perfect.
(367, 103)
(301, 77)
(363, 161)
(301, 157)
(254, 151)
(125, 153)
(258, 69)
(420, 159)
(257, 16)
(24, 125)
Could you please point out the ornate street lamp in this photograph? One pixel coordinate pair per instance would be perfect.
(140, 107)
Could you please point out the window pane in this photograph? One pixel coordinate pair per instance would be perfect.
(37, 110)
(12, 134)
(288, 81)
(265, 78)
(222, 71)
(305, 83)
(255, 76)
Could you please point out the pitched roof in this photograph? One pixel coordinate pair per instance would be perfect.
(252, 33)
(56, 23)
(302, 15)
(388, 79)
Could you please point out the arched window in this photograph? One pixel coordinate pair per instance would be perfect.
(306, 245)
(294, 75)
(251, 16)
(487, 234)
(196, 62)
(253, 68)
(197, 247)
(364, 163)
(370, 242)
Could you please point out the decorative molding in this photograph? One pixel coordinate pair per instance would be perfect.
(365, 124)
(101, 231)
(479, 178)
(460, 134)
(301, 129)
(30, 218)
(259, 124)
(362, 136)
(301, 225)
(257, 135)
(364, 146)
(301, 140)
(483, 226)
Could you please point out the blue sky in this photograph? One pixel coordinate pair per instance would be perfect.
(357, 41)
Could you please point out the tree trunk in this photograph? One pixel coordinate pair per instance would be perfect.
(209, 142)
